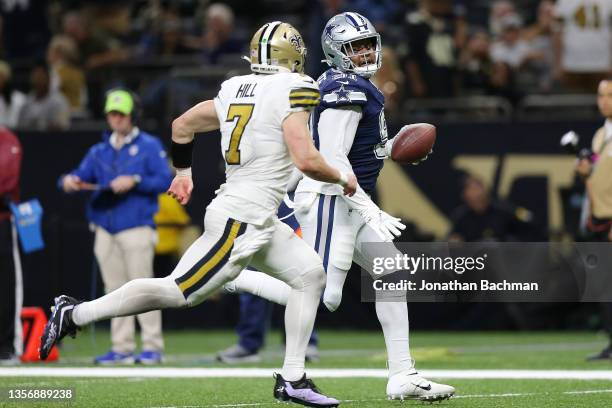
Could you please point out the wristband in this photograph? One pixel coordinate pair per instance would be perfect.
(181, 154)
(343, 181)
(183, 172)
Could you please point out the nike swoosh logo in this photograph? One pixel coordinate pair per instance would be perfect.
(343, 83)
(428, 388)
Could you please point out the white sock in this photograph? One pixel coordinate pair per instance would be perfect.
(393, 318)
(300, 316)
(263, 285)
(135, 297)
(332, 296)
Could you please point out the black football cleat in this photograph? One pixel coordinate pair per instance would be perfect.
(59, 325)
(302, 391)
(604, 354)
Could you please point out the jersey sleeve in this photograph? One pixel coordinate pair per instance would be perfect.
(303, 94)
(344, 91)
(298, 93)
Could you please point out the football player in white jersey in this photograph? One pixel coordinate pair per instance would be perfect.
(350, 131)
(263, 118)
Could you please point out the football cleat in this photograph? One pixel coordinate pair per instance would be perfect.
(604, 354)
(302, 391)
(237, 354)
(148, 357)
(115, 358)
(410, 385)
(59, 325)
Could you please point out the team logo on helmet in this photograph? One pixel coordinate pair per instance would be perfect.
(297, 42)
(329, 29)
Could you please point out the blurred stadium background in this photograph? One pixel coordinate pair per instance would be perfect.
(485, 73)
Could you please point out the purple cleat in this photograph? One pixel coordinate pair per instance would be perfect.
(302, 391)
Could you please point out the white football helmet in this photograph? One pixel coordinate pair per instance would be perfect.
(340, 32)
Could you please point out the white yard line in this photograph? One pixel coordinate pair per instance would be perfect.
(510, 395)
(198, 372)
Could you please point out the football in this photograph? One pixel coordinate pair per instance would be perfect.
(413, 143)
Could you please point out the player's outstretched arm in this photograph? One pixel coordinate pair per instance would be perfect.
(201, 118)
(307, 158)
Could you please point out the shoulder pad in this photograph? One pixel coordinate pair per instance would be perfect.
(344, 89)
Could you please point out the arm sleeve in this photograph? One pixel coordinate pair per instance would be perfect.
(336, 130)
(157, 177)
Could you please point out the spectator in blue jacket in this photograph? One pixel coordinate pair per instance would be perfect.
(126, 172)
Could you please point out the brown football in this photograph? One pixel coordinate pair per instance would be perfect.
(413, 143)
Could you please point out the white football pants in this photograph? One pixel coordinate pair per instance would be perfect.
(226, 248)
(337, 234)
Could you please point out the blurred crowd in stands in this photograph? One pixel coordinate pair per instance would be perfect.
(57, 58)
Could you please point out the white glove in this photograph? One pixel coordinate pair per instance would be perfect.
(385, 226)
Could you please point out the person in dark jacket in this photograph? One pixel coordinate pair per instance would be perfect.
(126, 172)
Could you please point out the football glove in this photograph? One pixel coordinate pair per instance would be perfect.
(385, 226)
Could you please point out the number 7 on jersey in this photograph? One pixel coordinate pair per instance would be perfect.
(242, 111)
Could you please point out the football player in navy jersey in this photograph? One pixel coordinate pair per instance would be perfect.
(350, 131)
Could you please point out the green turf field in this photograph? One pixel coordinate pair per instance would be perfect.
(432, 350)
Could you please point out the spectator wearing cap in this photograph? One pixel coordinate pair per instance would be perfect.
(125, 171)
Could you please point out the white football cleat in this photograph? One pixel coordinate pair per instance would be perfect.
(410, 385)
